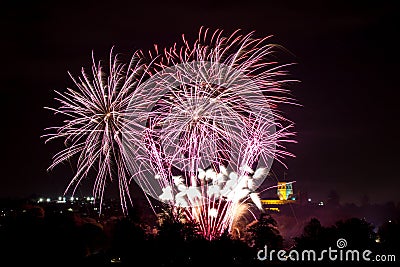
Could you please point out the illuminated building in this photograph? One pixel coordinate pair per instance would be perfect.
(285, 190)
(285, 195)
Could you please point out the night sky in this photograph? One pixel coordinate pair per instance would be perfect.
(347, 62)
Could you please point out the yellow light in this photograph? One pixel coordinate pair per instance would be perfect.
(273, 209)
(276, 201)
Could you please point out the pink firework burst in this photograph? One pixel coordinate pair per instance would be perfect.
(95, 119)
(212, 125)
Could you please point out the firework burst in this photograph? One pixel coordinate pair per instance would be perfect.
(95, 118)
(212, 125)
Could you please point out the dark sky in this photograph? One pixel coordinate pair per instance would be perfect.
(347, 62)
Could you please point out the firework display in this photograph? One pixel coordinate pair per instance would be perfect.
(95, 113)
(197, 126)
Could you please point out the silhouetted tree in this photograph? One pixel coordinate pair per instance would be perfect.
(174, 225)
(315, 236)
(313, 228)
(175, 235)
(263, 232)
(358, 232)
(389, 234)
(127, 238)
(227, 250)
(94, 242)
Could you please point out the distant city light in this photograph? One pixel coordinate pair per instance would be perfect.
(321, 203)
(40, 199)
(116, 260)
(72, 199)
(309, 200)
(61, 200)
(48, 199)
